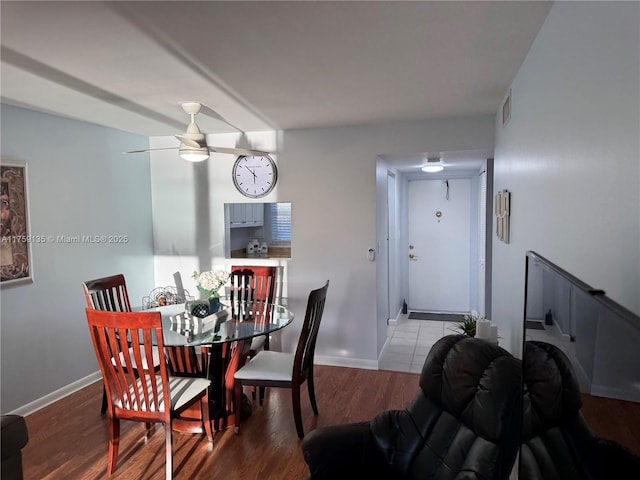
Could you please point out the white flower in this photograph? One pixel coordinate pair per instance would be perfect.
(210, 282)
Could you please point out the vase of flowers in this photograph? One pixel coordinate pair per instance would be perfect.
(209, 284)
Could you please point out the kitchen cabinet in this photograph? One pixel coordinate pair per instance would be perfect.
(246, 215)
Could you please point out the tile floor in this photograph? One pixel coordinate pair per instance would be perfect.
(409, 342)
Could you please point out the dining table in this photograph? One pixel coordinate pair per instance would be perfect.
(223, 339)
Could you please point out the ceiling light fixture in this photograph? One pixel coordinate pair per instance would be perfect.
(433, 165)
(194, 154)
(193, 146)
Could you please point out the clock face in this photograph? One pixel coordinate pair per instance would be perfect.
(255, 176)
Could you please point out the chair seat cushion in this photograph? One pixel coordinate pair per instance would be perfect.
(268, 365)
(155, 355)
(182, 391)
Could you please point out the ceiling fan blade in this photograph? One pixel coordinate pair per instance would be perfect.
(151, 150)
(190, 142)
(238, 151)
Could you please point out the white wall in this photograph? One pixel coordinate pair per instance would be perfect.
(570, 155)
(329, 176)
(78, 184)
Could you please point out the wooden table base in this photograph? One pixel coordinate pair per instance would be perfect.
(224, 361)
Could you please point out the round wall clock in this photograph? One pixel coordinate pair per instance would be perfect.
(255, 176)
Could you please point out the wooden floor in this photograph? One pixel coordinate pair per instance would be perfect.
(68, 440)
(614, 419)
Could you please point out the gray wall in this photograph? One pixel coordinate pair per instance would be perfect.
(570, 155)
(78, 184)
(337, 199)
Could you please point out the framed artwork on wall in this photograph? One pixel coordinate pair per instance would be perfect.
(15, 239)
(506, 109)
(503, 212)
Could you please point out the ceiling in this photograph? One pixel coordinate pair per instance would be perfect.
(262, 65)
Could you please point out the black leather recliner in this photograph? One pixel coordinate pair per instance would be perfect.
(14, 438)
(557, 443)
(462, 424)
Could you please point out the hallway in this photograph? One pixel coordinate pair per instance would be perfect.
(409, 342)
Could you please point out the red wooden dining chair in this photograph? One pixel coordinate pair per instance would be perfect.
(110, 294)
(254, 283)
(135, 389)
(257, 284)
(287, 370)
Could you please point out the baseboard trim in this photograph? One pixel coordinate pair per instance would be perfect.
(56, 395)
(394, 321)
(615, 392)
(346, 362)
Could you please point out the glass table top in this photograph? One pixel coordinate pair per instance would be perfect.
(237, 321)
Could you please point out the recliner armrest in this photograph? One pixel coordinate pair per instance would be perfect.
(613, 460)
(343, 452)
(14, 438)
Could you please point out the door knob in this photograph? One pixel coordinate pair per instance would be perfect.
(413, 257)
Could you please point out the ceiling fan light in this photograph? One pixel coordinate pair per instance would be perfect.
(194, 154)
(432, 168)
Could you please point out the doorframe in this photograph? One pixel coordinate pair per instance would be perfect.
(402, 180)
(393, 251)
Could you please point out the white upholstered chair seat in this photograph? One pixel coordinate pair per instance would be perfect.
(181, 391)
(155, 355)
(268, 365)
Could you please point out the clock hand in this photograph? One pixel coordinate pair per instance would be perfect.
(252, 172)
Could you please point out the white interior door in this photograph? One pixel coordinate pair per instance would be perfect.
(439, 226)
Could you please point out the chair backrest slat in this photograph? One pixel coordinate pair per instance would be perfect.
(184, 361)
(305, 350)
(241, 285)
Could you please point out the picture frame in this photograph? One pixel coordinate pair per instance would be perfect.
(503, 213)
(506, 109)
(15, 233)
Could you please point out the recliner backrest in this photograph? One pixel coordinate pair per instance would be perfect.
(464, 421)
(555, 437)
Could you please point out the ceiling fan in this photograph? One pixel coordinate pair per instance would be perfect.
(193, 143)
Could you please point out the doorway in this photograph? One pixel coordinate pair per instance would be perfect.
(439, 233)
(393, 176)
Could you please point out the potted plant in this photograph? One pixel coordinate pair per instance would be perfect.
(467, 326)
